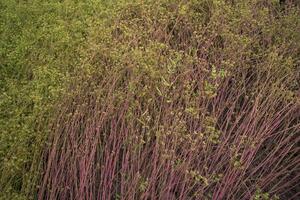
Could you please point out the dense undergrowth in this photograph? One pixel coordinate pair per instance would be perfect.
(149, 99)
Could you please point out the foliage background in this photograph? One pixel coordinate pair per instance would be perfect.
(54, 51)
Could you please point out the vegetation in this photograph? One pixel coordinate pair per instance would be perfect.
(144, 99)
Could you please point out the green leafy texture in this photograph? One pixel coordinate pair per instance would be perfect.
(52, 49)
(40, 47)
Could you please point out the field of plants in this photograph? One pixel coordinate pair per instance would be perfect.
(149, 100)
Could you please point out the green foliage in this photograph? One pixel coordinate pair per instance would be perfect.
(40, 48)
(52, 49)
(259, 195)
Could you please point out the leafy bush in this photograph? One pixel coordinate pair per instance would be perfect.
(150, 100)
